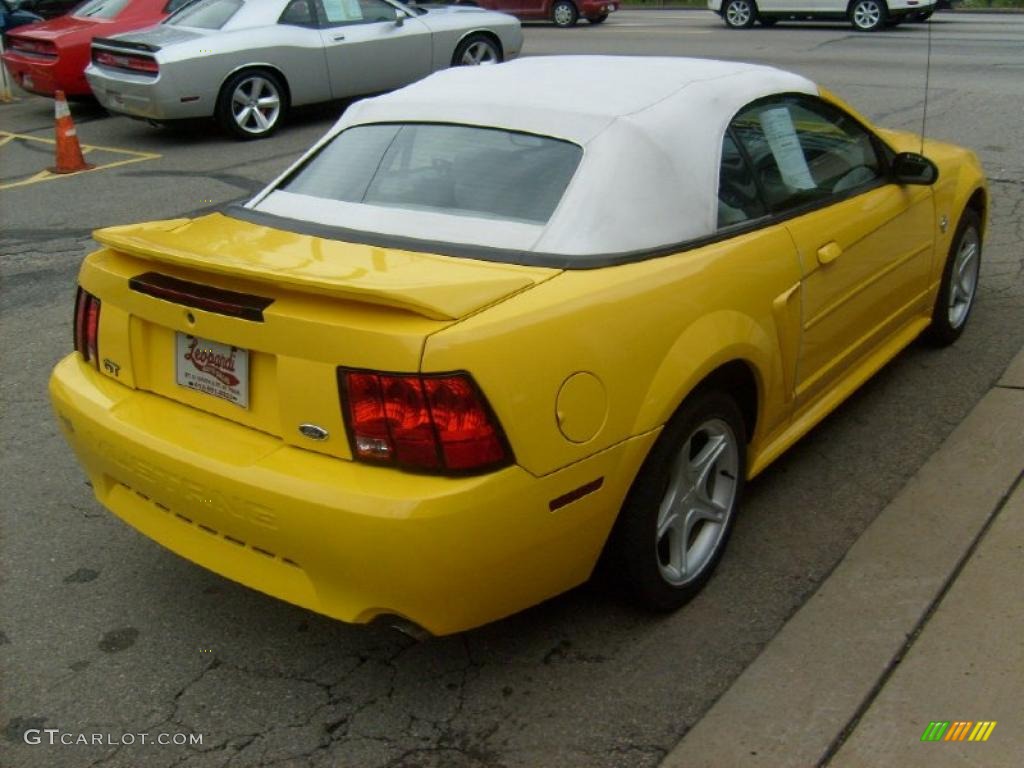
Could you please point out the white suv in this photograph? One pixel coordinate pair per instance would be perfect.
(865, 15)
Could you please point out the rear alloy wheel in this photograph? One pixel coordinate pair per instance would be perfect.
(564, 13)
(740, 14)
(251, 104)
(679, 513)
(868, 15)
(959, 282)
(476, 50)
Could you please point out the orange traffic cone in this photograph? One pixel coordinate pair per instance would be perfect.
(69, 152)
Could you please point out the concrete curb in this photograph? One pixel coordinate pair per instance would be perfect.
(807, 691)
(964, 667)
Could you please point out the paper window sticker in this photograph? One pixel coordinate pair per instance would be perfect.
(342, 10)
(353, 10)
(778, 128)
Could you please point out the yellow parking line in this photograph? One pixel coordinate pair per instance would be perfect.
(136, 157)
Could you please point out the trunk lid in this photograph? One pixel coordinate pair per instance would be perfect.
(159, 36)
(310, 304)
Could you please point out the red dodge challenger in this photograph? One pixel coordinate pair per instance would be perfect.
(52, 55)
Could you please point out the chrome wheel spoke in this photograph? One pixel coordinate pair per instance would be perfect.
(708, 509)
(676, 530)
(703, 465)
(261, 120)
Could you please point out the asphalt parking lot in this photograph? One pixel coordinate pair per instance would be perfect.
(102, 631)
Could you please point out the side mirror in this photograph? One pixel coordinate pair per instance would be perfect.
(912, 168)
(400, 17)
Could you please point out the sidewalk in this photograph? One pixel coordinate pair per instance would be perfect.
(923, 620)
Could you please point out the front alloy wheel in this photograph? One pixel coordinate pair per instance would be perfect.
(959, 281)
(739, 14)
(676, 521)
(868, 15)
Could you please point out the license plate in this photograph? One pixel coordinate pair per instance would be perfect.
(213, 368)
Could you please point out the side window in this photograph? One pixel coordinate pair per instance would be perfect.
(174, 5)
(299, 13)
(738, 198)
(804, 150)
(377, 10)
(339, 12)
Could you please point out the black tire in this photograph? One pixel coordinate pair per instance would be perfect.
(949, 318)
(598, 19)
(868, 15)
(477, 49)
(258, 122)
(636, 555)
(564, 13)
(739, 14)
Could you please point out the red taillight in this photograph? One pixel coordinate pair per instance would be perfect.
(129, 61)
(87, 326)
(36, 47)
(437, 422)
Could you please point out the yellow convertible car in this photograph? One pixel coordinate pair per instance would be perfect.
(507, 322)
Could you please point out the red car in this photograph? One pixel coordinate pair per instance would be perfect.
(52, 55)
(564, 13)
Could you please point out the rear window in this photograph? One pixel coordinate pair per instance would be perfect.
(100, 9)
(451, 169)
(206, 14)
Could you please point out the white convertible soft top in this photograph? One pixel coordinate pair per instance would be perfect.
(651, 129)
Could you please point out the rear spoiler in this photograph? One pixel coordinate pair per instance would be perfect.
(401, 279)
(109, 42)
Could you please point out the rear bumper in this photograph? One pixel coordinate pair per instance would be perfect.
(340, 538)
(144, 97)
(44, 76)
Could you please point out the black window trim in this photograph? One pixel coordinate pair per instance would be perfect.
(779, 214)
(559, 260)
(325, 24)
(749, 165)
(315, 9)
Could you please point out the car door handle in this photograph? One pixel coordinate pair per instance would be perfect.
(829, 253)
(339, 38)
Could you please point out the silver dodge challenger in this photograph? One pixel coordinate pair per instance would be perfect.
(245, 62)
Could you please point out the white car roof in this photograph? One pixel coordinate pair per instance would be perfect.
(651, 129)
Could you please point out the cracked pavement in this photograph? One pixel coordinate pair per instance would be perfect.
(103, 631)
